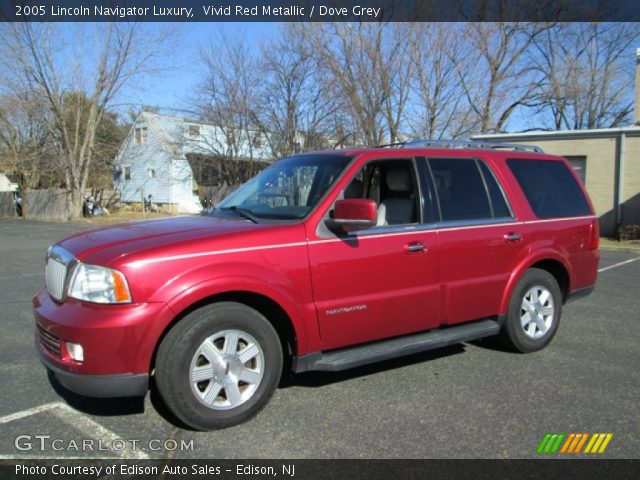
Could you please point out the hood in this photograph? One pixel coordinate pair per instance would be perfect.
(103, 245)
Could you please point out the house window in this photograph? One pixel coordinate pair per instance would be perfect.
(194, 130)
(257, 143)
(151, 172)
(579, 164)
(297, 148)
(127, 173)
(141, 135)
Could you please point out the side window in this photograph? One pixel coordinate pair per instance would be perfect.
(140, 135)
(550, 188)
(498, 203)
(392, 185)
(461, 189)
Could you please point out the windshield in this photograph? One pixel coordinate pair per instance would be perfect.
(288, 189)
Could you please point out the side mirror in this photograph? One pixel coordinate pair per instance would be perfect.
(353, 214)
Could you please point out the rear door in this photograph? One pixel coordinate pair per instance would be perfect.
(563, 218)
(480, 240)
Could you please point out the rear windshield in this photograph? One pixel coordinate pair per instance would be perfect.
(550, 187)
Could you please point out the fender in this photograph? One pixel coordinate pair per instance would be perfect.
(526, 264)
(302, 314)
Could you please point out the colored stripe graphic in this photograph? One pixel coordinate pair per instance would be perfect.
(598, 443)
(574, 442)
(567, 443)
(551, 442)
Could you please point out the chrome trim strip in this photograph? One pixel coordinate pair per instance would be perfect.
(141, 263)
(440, 226)
(363, 235)
(545, 220)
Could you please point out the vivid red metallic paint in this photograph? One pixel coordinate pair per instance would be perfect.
(463, 273)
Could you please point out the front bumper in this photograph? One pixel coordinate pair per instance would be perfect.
(118, 341)
(104, 386)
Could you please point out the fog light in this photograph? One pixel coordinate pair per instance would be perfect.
(76, 352)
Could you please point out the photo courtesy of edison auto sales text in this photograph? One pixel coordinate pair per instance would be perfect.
(135, 469)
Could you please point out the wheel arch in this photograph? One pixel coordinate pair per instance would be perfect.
(559, 272)
(269, 308)
(552, 263)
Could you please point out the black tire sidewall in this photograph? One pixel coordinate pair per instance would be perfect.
(513, 327)
(178, 347)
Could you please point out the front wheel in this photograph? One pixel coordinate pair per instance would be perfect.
(219, 366)
(534, 312)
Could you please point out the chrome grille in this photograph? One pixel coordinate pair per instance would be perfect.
(59, 264)
(56, 273)
(48, 341)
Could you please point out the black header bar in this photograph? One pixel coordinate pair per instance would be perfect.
(319, 10)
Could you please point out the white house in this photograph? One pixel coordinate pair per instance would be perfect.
(7, 185)
(152, 159)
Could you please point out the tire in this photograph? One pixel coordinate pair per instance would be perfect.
(219, 366)
(534, 312)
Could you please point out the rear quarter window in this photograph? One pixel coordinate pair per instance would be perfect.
(550, 188)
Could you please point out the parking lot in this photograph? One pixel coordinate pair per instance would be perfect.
(468, 401)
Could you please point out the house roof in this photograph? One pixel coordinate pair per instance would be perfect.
(175, 137)
(170, 130)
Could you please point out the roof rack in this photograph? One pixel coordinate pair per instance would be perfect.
(464, 144)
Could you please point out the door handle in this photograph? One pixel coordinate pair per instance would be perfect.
(414, 247)
(512, 237)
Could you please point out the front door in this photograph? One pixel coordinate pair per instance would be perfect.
(381, 282)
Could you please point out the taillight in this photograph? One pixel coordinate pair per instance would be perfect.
(594, 239)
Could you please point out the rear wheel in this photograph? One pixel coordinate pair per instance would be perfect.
(219, 366)
(534, 312)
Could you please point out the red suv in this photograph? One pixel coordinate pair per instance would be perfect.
(324, 261)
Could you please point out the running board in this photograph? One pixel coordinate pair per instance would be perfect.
(351, 357)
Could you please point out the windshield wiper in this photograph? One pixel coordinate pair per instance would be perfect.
(243, 212)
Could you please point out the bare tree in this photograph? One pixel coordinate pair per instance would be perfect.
(296, 105)
(440, 109)
(228, 98)
(367, 66)
(495, 73)
(24, 140)
(587, 69)
(59, 62)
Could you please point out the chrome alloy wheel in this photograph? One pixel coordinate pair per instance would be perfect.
(537, 311)
(226, 369)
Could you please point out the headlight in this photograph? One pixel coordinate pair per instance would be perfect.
(99, 285)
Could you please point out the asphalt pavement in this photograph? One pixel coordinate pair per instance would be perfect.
(467, 401)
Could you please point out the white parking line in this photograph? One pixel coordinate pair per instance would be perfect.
(619, 264)
(80, 422)
(94, 430)
(29, 412)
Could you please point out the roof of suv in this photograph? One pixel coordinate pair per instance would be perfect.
(446, 145)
